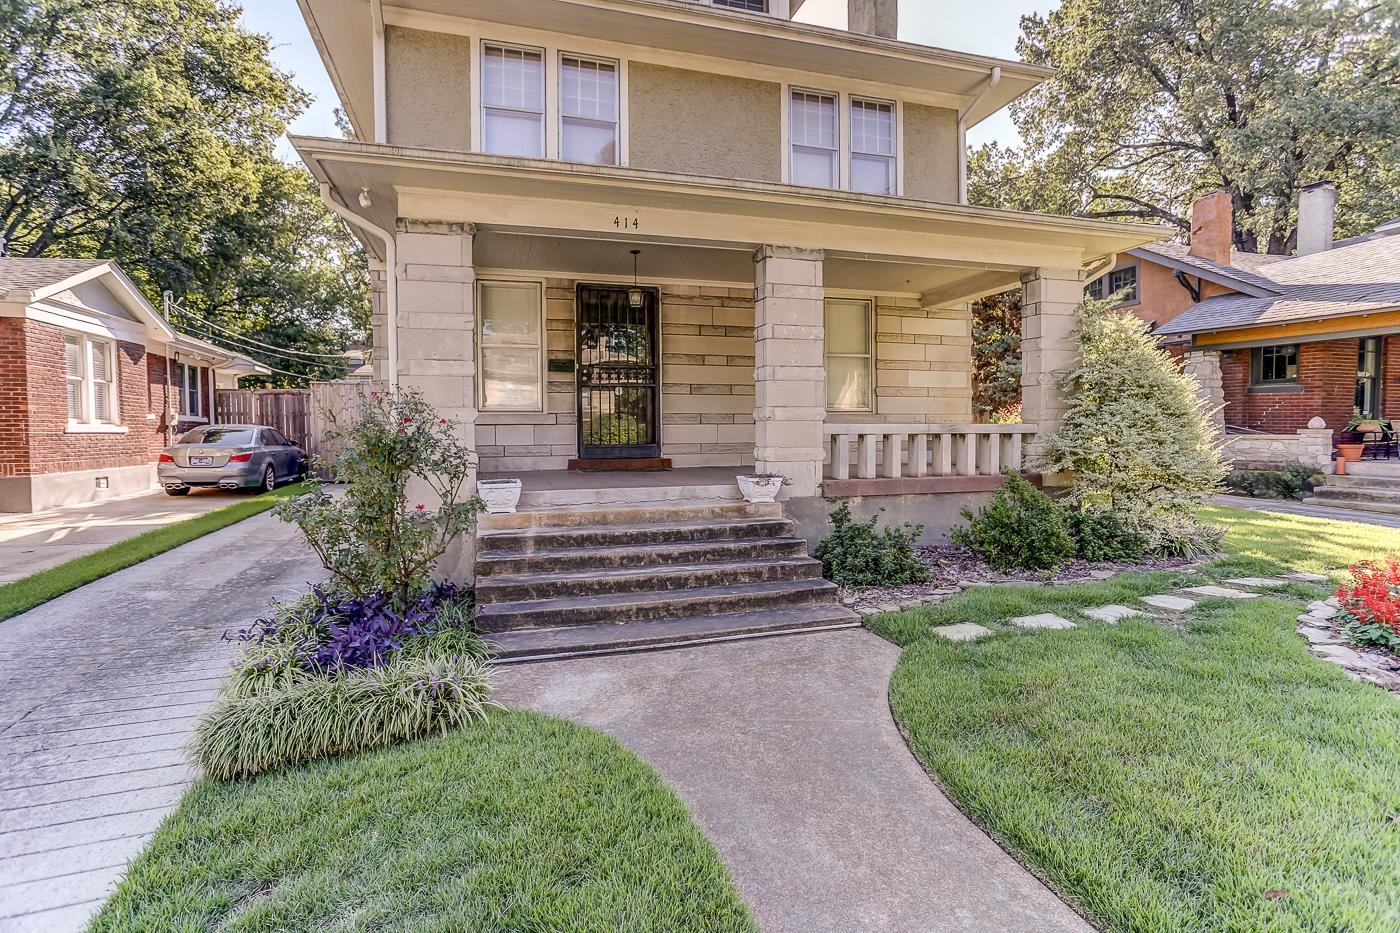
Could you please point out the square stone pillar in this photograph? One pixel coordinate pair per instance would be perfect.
(1050, 299)
(1204, 367)
(437, 339)
(790, 366)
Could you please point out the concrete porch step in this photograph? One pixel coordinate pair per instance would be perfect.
(558, 560)
(529, 540)
(1383, 470)
(572, 641)
(1358, 492)
(619, 608)
(633, 513)
(598, 582)
(1358, 505)
(553, 498)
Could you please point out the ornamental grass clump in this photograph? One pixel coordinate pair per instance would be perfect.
(1136, 437)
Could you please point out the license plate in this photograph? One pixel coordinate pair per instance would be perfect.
(201, 461)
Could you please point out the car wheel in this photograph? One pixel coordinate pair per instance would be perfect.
(269, 482)
(182, 491)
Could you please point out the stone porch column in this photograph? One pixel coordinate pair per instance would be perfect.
(1204, 367)
(1049, 300)
(437, 337)
(790, 366)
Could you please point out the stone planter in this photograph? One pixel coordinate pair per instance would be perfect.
(760, 488)
(500, 495)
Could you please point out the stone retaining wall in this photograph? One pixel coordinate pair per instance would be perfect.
(1312, 446)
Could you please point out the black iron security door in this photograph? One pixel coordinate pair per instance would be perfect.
(618, 374)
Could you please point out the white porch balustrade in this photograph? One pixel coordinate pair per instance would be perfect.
(895, 451)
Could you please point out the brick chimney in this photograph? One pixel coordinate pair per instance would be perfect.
(1213, 227)
(874, 17)
(1317, 217)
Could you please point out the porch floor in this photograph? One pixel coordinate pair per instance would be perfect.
(560, 480)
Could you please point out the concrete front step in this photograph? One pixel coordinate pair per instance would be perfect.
(595, 582)
(618, 608)
(1361, 479)
(546, 498)
(572, 641)
(1357, 505)
(1358, 492)
(1384, 470)
(633, 513)
(527, 541)
(490, 564)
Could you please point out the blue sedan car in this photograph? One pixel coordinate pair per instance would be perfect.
(230, 456)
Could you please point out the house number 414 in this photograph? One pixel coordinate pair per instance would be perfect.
(627, 223)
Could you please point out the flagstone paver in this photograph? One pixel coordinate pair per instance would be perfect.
(1309, 577)
(1042, 620)
(962, 631)
(1169, 602)
(1222, 592)
(1112, 613)
(1262, 583)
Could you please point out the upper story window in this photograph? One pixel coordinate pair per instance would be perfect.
(1123, 280)
(588, 110)
(815, 140)
(512, 101)
(89, 368)
(753, 6)
(872, 146)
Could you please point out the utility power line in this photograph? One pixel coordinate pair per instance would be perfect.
(259, 350)
(218, 327)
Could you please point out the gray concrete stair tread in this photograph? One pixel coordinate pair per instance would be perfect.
(490, 564)
(640, 573)
(544, 517)
(538, 644)
(1382, 493)
(1357, 505)
(497, 542)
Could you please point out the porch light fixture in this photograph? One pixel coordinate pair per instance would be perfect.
(365, 200)
(636, 298)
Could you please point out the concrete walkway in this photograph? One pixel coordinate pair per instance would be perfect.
(1312, 511)
(33, 542)
(99, 691)
(785, 750)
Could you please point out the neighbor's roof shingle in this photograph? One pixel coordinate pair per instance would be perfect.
(1359, 277)
(1243, 267)
(34, 274)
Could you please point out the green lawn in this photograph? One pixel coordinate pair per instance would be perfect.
(1206, 776)
(38, 588)
(520, 823)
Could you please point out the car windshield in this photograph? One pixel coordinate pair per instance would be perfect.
(224, 437)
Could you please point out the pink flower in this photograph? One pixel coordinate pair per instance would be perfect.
(442, 421)
(419, 507)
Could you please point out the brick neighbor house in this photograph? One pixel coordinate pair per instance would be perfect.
(93, 383)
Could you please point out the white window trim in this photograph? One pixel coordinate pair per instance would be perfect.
(197, 417)
(559, 57)
(843, 118)
(86, 423)
(539, 287)
(779, 9)
(553, 120)
(869, 355)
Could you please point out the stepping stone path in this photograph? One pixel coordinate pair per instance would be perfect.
(1111, 613)
(1309, 577)
(1263, 583)
(963, 631)
(1169, 602)
(1223, 592)
(1043, 620)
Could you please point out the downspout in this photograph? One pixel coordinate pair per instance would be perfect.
(992, 81)
(391, 290)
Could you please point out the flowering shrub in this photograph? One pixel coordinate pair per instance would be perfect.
(1370, 604)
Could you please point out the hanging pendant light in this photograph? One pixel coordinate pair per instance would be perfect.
(636, 298)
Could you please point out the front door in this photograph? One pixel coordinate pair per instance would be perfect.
(619, 374)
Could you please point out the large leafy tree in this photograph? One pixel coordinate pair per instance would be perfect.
(1156, 101)
(144, 131)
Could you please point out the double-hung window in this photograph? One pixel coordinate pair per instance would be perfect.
(511, 345)
(512, 101)
(188, 386)
(90, 373)
(753, 6)
(848, 354)
(1124, 281)
(1274, 367)
(588, 110)
(872, 146)
(815, 138)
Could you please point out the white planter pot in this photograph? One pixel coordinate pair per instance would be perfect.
(500, 495)
(760, 488)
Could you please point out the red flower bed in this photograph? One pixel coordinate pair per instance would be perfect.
(1371, 602)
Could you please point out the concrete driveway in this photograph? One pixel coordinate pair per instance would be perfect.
(99, 690)
(33, 542)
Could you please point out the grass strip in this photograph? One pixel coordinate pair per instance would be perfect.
(520, 822)
(38, 588)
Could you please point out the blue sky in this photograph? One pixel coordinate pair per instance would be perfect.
(986, 27)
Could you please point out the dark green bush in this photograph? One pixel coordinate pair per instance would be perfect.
(1293, 481)
(1023, 529)
(863, 554)
(1102, 534)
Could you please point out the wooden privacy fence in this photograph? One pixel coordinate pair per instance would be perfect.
(333, 407)
(306, 416)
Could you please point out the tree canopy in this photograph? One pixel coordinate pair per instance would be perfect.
(145, 131)
(1157, 102)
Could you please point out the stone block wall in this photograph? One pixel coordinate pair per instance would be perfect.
(923, 365)
(1311, 447)
(1326, 388)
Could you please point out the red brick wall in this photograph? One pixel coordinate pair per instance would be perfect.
(14, 399)
(49, 449)
(1327, 374)
(1390, 377)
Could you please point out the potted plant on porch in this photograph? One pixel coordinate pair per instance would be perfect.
(761, 487)
(1351, 441)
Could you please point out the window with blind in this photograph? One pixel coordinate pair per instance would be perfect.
(849, 354)
(872, 146)
(189, 383)
(510, 345)
(588, 110)
(89, 369)
(512, 100)
(815, 140)
(753, 6)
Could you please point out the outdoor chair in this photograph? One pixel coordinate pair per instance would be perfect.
(1380, 445)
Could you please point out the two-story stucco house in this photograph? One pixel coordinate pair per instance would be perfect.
(696, 235)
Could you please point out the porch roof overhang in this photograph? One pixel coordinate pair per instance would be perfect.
(1337, 327)
(534, 214)
(343, 31)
